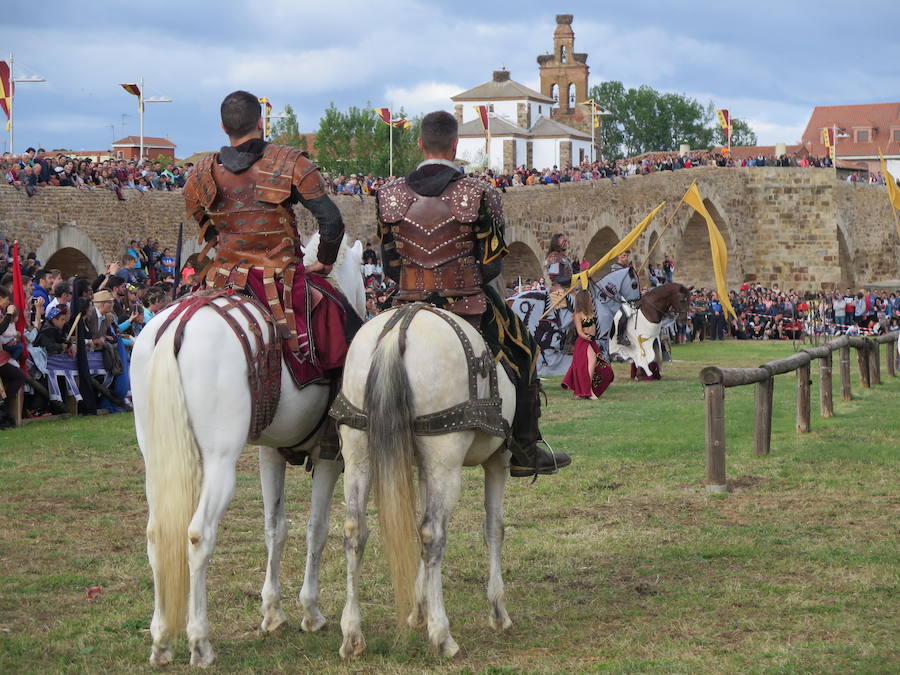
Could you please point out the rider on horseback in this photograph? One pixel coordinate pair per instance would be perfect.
(442, 242)
(628, 310)
(243, 198)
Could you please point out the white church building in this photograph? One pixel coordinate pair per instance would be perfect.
(522, 131)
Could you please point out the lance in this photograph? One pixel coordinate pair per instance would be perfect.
(178, 260)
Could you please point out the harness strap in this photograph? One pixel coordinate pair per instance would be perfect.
(263, 368)
(482, 414)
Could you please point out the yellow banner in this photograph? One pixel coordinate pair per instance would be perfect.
(581, 278)
(717, 245)
(890, 183)
(826, 138)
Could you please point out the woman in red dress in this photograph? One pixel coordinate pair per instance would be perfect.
(589, 375)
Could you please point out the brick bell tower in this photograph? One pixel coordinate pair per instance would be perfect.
(564, 76)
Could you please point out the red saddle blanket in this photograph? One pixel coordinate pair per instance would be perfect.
(320, 317)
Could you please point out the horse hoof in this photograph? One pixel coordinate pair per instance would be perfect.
(161, 657)
(312, 624)
(500, 621)
(353, 647)
(448, 648)
(202, 655)
(273, 621)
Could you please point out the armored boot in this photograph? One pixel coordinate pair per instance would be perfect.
(527, 458)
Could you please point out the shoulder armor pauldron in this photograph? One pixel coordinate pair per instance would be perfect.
(201, 186)
(276, 173)
(394, 200)
(464, 198)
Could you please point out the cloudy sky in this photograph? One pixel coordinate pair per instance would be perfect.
(768, 61)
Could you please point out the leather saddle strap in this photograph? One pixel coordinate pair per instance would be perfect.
(287, 295)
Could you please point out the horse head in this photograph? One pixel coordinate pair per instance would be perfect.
(346, 273)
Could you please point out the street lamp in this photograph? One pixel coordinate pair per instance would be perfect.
(143, 100)
(12, 92)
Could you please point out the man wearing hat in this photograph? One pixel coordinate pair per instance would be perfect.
(99, 319)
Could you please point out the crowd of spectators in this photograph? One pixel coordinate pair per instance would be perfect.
(37, 169)
(774, 314)
(76, 316)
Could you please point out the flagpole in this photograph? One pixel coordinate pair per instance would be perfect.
(12, 93)
(141, 107)
(391, 140)
(489, 138)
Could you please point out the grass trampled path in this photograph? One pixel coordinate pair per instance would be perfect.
(621, 564)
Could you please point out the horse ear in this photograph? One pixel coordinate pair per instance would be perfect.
(357, 246)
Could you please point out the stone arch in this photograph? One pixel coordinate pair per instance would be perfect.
(71, 262)
(526, 255)
(521, 262)
(602, 241)
(693, 258)
(71, 251)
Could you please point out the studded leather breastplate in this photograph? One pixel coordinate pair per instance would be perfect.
(435, 237)
(252, 233)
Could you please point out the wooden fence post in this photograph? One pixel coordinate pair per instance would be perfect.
(803, 406)
(891, 358)
(715, 438)
(826, 404)
(862, 359)
(762, 431)
(846, 394)
(874, 361)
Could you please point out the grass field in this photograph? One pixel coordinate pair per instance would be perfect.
(621, 564)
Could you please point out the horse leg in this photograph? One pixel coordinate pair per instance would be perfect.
(442, 494)
(215, 495)
(495, 473)
(417, 616)
(271, 473)
(325, 477)
(354, 445)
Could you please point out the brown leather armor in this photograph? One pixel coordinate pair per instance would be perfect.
(436, 239)
(254, 220)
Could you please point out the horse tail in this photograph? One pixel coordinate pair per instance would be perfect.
(391, 444)
(173, 483)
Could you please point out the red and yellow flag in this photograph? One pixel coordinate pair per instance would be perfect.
(6, 91)
(387, 118)
(134, 90)
(725, 123)
(19, 301)
(482, 112)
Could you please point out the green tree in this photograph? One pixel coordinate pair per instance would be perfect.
(357, 141)
(286, 131)
(741, 134)
(645, 120)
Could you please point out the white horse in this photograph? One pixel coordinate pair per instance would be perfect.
(192, 419)
(396, 380)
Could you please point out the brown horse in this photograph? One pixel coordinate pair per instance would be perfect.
(642, 328)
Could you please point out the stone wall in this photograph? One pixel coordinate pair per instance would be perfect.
(798, 228)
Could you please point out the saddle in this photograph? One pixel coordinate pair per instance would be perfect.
(479, 414)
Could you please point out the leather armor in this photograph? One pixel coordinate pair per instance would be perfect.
(253, 218)
(250, 211)
(437, 240)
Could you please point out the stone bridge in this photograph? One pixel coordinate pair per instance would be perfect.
(798, 228)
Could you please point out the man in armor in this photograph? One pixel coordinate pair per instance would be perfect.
(442, 242)
(628, 310)
(243, 197)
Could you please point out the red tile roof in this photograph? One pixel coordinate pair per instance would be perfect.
(881, 118)
(149, 142)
